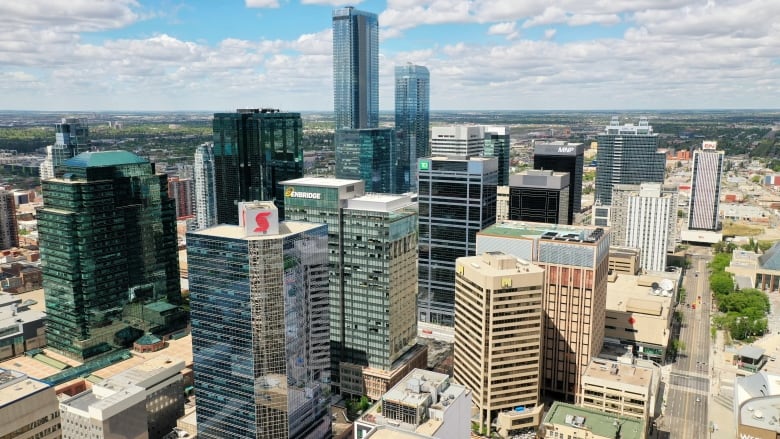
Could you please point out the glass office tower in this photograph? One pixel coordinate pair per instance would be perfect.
(254, 150)
(370, 155)
(412, 121)
(355, 68)
(498, 145)
(627, 154)
(259, 297)
(71, 139)
(109, 254)
(563, 157)
(457, 199)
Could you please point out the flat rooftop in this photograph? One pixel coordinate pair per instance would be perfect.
(15, 385)
(237, 232)
(597, 422)
(618, 372)
(637, 294)
(401, 391)
(497, 263)
(321, 182)
(519, 229)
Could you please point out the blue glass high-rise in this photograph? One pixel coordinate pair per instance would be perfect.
(412, 120)
(355, 68)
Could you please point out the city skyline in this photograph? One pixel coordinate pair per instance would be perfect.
(153, 55)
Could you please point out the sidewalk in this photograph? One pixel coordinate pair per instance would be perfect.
(722, 376)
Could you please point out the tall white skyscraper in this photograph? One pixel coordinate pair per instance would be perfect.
(645, 217)
(458, 140)
(205, 189)
(705, 187)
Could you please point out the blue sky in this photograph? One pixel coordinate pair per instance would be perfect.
(482, 54)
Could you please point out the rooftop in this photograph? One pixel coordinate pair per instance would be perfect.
(521, 229)
(597, 422)
(646, 294)
(616, 372)
(771, 259)
(320, 182)
(16, 385)
(758, 400)
(104, 158)
(498, 263)
(237, 232)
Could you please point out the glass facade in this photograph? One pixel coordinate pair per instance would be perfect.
(564, 157)
(108, 245)
(254, 150)
(538, 204)
(457, 199)
(205, 188)
(72, 138)
(260, 331)
(498, 145)
(627, 154)
(355, 68)
(370, 155)
(412, 121)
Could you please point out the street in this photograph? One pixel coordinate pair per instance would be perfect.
(688, 383)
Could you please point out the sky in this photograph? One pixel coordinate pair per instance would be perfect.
(219, 55)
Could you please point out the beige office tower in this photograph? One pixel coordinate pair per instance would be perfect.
(498, 327)
(576, 262)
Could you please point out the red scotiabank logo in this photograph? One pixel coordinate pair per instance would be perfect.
(261, 222)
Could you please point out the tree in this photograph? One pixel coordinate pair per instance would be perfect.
(720, 261)
(721, 283)
(755, 179)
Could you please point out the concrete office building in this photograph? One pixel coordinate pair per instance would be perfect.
(539, 196)
(564, 157)
(372, 253)
(141, 402)
(707, 171)
(502, 203)
(259, 297)
(205, 186)
(371, 155)
(624, 260)
(498, 335)
(576, 263)
(28, 407)
(254, 151)
(458, 140)
(21, 328)
(498, 145)
(645, 217)
(107, 234)
(412, 122)
(9, 229)
(423, 404)
(627, 154)
(639, 313)
(567, 420)
(620, 389)
(457, 199)
(355, 68)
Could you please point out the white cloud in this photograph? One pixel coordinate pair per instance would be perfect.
(504, 28)
(549, 34)
(261, 3)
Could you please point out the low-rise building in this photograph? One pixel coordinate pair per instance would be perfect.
(762, 271)
(21, 329)
(571, 421)
(28, 407)
(624, 260)
(620, 389)
(756, 398)
(639, 312)
(423, 404)
(142, 402)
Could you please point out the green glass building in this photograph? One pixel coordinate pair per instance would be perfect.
(107, 235)
(254, 150)
(372, 255)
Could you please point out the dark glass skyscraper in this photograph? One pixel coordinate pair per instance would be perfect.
(497, 144)
(539, 196)
(412, 120)
(355, 68)
(254, 150)
(457, 199)
(109, 254)
(370, 155)
(627, 154)
(564, 157)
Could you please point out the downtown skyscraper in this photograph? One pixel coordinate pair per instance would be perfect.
(109, 254)
(71, 138)
(355, 68)
(205, 188)
(563, 157)
(371, 155)
(260, 327)
(412, 121)
(254, 150)
(705, 187)
(627, 154)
